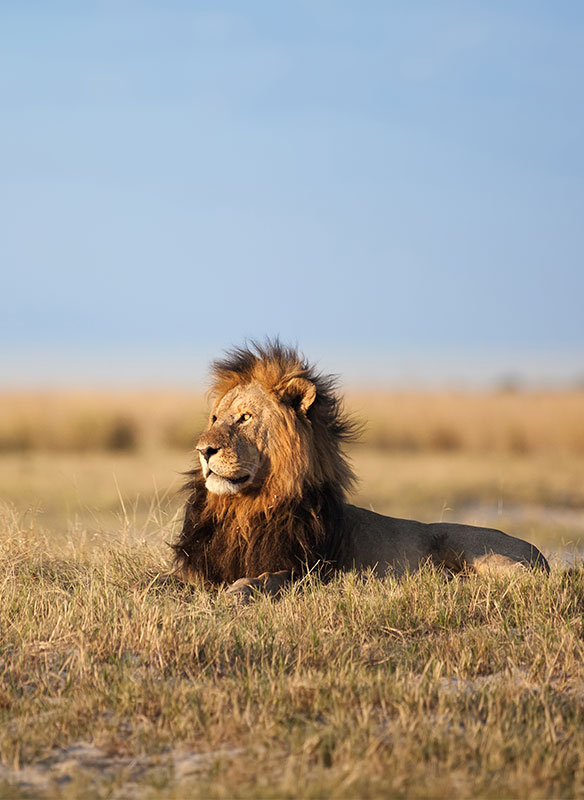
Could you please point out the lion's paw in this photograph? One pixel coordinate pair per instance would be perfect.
(244, 589)
(268, 583)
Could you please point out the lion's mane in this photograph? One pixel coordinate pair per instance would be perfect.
(294, 521)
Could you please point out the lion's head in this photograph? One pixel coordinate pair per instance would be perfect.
(272, 476)
(274, 428)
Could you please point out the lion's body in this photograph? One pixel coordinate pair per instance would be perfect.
(269, 496)
(374, 541)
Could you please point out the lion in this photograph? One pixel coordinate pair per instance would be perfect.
(267, 501)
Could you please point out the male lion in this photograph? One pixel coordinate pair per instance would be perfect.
(268, 499)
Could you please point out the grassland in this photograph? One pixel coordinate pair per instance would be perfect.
(118, 683)
(445, 421)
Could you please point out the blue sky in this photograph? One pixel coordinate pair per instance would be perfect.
(378, 180)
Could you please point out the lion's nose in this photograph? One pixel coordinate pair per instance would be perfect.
(207, 451)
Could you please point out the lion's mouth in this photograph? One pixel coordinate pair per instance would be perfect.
(242, 479)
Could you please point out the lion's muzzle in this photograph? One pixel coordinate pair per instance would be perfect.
(226, 470)
(206, 451)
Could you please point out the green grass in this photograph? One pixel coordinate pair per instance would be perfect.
(362, 688)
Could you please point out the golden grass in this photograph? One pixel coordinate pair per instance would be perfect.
(75, 420)
(76, 495)
(517, 422)
(115, 684)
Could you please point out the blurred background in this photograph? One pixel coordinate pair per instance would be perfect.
(395, 187)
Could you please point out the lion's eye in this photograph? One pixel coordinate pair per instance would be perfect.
(213, 419)
(244, 418)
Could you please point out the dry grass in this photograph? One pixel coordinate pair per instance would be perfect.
(516, 422)
(83, 421)
(79, 495)
(116, 683)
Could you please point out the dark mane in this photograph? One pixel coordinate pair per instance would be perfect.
(225, 538)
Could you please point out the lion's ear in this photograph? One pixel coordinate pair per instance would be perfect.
(298, 393)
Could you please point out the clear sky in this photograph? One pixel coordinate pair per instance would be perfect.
(359, 177)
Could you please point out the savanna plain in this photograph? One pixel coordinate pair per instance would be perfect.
(118, 682)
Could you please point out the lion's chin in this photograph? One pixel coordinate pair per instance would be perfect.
(218, 485)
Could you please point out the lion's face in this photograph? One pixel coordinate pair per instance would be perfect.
(232, 450)
(238, 449)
